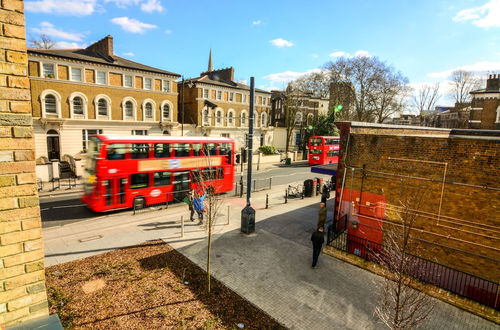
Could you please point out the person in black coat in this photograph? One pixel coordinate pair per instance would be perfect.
(317, 238)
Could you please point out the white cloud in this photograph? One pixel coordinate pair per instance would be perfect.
(151, 6)
(129, 54)
(132, 25)
(243, 81)
(478, 67)
(124, 3)
(62, 7)
(279, 42)
(257, 22)
(287, 76)
(69, 45)
(168, 31)
(49, 29)
(487, 15)
(359, 53)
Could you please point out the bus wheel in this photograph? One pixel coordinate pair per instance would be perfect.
(139, 203)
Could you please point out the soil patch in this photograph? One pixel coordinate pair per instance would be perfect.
(148, 286)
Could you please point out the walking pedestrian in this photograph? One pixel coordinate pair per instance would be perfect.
(317, 238)
(199, 206)
(325, 193)
(189, 201)
(321, 216)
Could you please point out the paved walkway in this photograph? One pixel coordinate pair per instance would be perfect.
(270, 268)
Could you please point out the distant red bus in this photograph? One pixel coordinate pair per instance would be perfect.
(324, 150)
(123, 171)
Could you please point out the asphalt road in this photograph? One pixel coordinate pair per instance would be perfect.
(67, 208)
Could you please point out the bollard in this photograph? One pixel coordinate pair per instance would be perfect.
(267, 201)
(228, 209)
(241, 186)
(182, 226)
(254, 185)
(270, 183)
(286, 196)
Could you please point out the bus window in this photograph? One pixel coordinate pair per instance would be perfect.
(195, 176)
(210, 149)
(196, 149)
(333, 153)
(225, 149)
(140, 150)
(162, 150)
(208, 174)
(331, 142)
(117, 151)
(316, 142)
(181, 149)
(161, 179)
(139, 180)
(315, 151)
(220, 173)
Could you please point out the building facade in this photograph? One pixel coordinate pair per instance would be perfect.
(303, 108)
(78, 93)
(215, 104)
(485, 108)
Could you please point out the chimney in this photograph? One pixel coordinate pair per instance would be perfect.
(103, 47)
(493, 82)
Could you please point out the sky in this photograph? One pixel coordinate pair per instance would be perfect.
(279, 40)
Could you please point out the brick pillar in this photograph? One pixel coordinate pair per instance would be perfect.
(22, 277)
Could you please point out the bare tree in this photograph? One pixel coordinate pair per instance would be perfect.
(370, 80)
(207, 181)
(293, 116)
(316, 83)
(425, 99)
(400, 305)
(43, 41)
(462, 83)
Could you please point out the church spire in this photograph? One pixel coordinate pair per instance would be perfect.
(210, 67)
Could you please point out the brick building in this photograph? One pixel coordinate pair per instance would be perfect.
(217, 105)
(80, 92)
(485, 108)
(22, 276)
(454, 176)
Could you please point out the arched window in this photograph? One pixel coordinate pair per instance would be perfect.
(50, 104)
(102, 107)
(149, 110)
(310, 118)
(77, 105)
(263, 119)
(206, 115)
(166, 111)
(218, 118)
(129, 109)
(243, 118)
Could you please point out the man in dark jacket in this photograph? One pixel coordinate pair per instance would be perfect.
(317, 238)
(321, 215)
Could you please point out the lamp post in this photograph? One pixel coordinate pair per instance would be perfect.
(182, 108)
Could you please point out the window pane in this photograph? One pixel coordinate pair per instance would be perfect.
(117, 151)
(162, 150)
(102, 107)
(210, 149)
(205, 93)
(147, 83)
(243, 119)
(50, 104)
(166, 111)
(139, 180)
(76, 74)
(166, 86)
(196, 149)
(181, 149)
(101, 77)
(129, 109)
(149, 110)
(316, 142)
(161, 179)
(219, 95)
(78, 106)
(128, 81)
(48, 70)
(140, 150)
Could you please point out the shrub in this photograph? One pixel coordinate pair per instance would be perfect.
(268, 150)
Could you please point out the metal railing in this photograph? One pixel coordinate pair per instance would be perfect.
(426, 271)
(172, 197)
(240, 186)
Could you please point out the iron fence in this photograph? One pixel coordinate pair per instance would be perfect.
(240, 186)
(426, 271)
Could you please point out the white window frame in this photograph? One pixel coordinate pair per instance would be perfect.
(106, 78)
(205, 119)
(134, 108)
(153, 105)
(245, 124)
(132, 80)
(58, 103)
(42, 71)
(230, 97)
(82, 73)
(230, 114)
(244, 99)
(96, 103)
(85, 137)
(144, 83)
(171, 112)
(167, 83)
(218, 95)
(85, 100)
(221, 117)
(144, 132)
(263, 119)
(207, 91)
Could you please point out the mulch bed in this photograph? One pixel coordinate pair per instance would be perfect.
(148, 286)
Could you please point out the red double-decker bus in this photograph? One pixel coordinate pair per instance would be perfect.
(324, 150)
(123, 171)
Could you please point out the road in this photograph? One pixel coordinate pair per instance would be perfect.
(67, 208)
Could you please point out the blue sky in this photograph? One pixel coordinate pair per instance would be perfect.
(279, 40)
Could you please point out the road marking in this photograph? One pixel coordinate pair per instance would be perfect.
(66, 206)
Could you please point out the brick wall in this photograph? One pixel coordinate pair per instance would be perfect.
(22, 284)
(458, 224)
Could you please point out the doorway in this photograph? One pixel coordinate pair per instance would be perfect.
(53, 148)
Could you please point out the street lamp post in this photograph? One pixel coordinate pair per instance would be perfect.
(182, 108)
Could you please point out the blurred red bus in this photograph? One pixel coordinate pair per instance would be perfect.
(123, 171)
(324, 150)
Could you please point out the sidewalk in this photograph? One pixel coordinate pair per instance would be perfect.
(270, 268)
